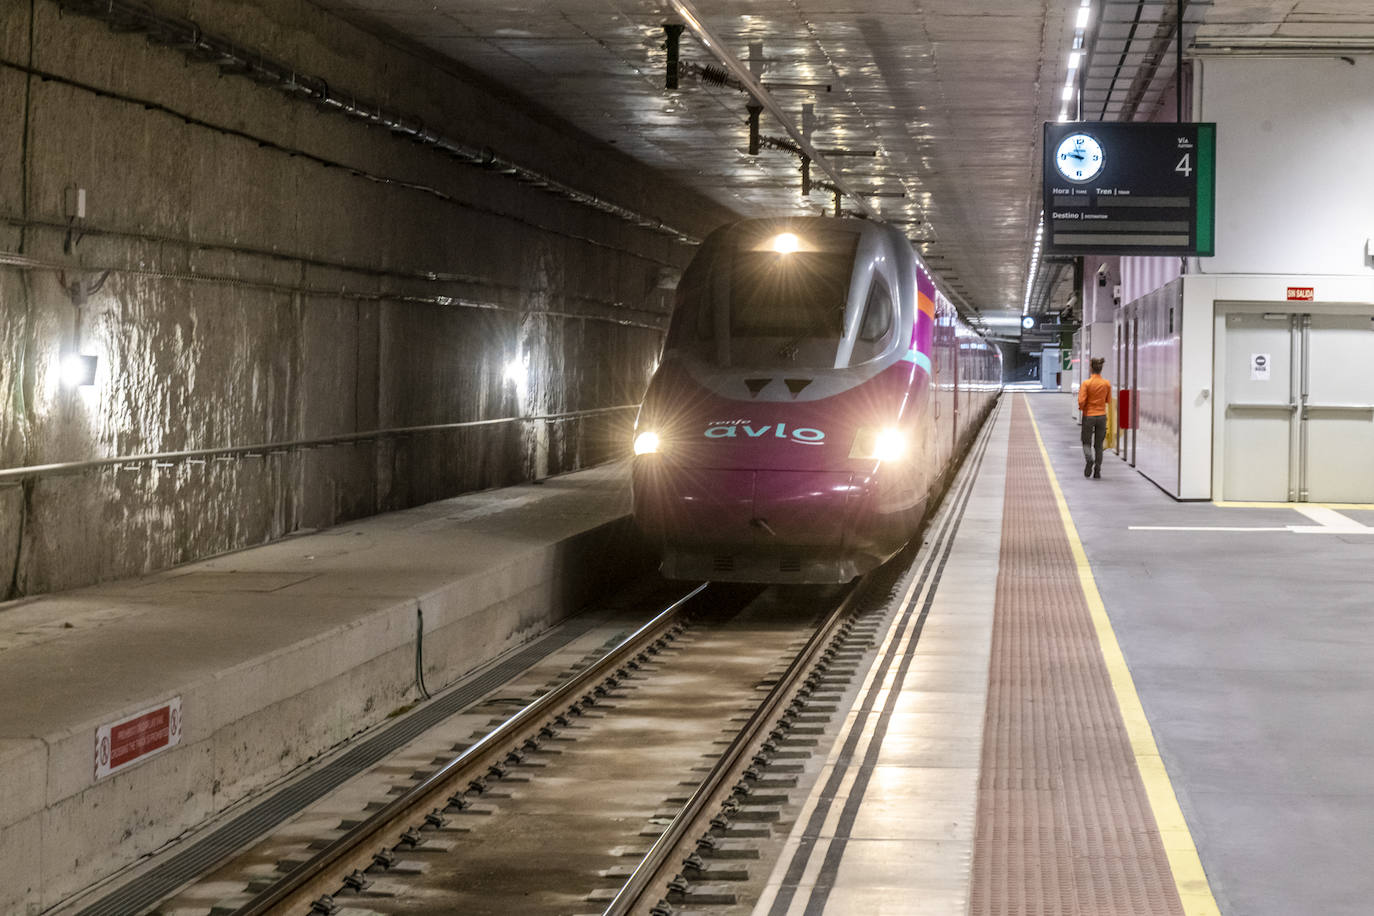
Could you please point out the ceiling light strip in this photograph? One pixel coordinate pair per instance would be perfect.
(708, 39)
(1034, 264)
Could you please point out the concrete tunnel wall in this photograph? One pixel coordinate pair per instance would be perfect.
(252, 294)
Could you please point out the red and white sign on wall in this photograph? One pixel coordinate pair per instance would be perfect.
(1301, 293)
(136, 738)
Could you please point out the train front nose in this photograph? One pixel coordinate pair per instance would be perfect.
(802, 508)
(745, 524)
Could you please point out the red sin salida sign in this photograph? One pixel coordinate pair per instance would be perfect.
(136, 738)
(1301, 293)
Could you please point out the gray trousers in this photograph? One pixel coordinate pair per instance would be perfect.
(1094, 434)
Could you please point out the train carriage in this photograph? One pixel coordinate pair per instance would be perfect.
(815, 388)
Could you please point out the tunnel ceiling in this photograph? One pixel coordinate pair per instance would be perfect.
(948, 95)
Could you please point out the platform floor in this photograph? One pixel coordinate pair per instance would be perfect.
(1110, 702)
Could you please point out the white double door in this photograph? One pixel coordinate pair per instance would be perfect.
(1299, 407)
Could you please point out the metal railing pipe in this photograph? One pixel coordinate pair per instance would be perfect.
(10, 475)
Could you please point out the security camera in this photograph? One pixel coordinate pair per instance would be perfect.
(1102, 275)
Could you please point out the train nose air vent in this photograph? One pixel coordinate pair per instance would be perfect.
(789, 564)
(722, 563)
(795, 385)
(757, 384)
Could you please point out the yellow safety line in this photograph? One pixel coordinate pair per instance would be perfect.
(1227, 504)
(1191, 881)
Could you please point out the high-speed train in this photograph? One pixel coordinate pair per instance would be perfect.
(815, 388)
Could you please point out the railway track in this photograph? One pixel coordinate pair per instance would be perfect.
(590, 798)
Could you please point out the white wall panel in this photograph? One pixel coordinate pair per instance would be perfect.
(1294, 143)
(1141, 276)
(1157, 385)
(1195, 396)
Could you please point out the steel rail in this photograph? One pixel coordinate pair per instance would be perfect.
(324, 872)
(710, 789)
(72, 467)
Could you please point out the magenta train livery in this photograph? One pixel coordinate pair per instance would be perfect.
(815, 388)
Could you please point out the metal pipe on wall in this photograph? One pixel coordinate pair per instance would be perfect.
(32, 472)
(186, 36)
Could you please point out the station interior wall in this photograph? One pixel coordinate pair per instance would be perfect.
(240, 292)
(1292, 209)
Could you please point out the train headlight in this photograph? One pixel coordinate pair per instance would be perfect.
(786, 243)
(647, 443)
(890, 445)
(881, 444)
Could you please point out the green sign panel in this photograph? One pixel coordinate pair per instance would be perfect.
(1123, 188)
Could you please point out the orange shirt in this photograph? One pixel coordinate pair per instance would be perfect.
(1092, 396)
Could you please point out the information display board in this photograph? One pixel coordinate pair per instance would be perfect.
(1124, 188)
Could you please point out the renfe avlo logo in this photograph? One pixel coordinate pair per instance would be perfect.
(744, 429)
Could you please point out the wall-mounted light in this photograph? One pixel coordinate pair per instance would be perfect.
(1028, 322)
(515, 371)
(78, 369)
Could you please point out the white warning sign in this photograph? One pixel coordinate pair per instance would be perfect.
(1259, 367)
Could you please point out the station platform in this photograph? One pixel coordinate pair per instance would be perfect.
(1098, 700)
(136, 709)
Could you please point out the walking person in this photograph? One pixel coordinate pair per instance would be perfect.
(1092, 402)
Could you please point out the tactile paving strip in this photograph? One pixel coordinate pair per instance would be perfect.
(1064, 825)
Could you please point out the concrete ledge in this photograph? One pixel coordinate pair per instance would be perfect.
(277, 654)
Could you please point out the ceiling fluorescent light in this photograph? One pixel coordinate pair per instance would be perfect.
(1002, 321)
(1082, 21)
(1068, 93)
(1073, 60)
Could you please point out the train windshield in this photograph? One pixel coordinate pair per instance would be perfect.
(766, 299)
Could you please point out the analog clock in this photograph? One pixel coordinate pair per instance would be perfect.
(1079, 157)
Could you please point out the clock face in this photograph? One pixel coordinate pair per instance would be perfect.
(1079, 157)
